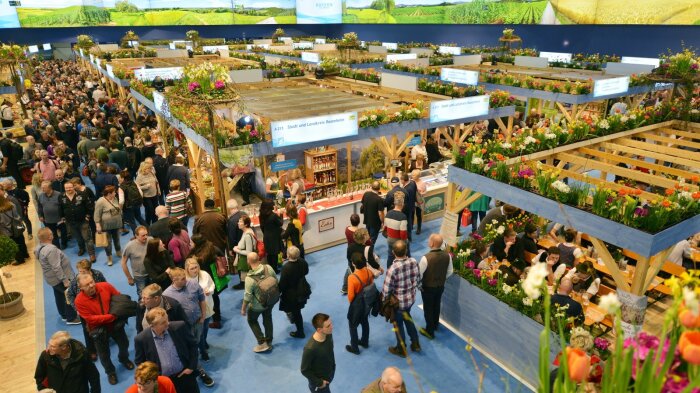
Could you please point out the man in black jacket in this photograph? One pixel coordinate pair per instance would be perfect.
(179, 171)
(373, 211)
(152, 297)
(160, 164)
(409, 207)
(66, 367)
(168, 337)
(76, 209)
(161, 228)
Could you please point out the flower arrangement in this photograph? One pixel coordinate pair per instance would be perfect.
(376, 117)
(248, 56)
(500, 98)
(192, 35)
(438, 60)
(529, 82)
(85, 42)
(330, 65)
(205, 81)
(449, 89)
(508, 34)
(365, 75)
(349, 41)
(122, 73)
(288, 53)
(412, 69)
(129, 36)
(683, 66)
(364, 60)
(285, 69)
(12, 52)
(668, 362)
(130, 53)
(143, 88)
(279, 32)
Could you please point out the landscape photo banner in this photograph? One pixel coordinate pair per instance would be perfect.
(78, 13)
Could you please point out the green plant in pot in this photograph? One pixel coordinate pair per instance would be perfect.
(10, 302)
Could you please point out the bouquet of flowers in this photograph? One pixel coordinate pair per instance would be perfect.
(85, 42)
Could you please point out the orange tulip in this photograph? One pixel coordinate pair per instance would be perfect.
(579, 364)
(688, 319)
(689, 345)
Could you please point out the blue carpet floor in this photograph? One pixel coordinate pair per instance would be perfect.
(444, 366)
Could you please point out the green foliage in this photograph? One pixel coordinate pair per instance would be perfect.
(484, 11)
(371, 161)
(125, 6)
(69, 16)
(8, 250)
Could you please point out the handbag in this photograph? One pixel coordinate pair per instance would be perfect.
(221, 266)
(101, 239)
(260, 247)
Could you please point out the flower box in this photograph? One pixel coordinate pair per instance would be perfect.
(366, 65)
(506, 335)
(564, 97)
(143, 100)
(635, 240)
(356, 81)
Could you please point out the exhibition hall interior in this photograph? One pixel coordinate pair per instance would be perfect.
(371, 196)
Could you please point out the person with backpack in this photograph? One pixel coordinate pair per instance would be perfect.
(12, 154)
(7, 116)
(362, 296)
(11, 226)
(147, 182)
(261, 294)
(245, 246)
(133, 200)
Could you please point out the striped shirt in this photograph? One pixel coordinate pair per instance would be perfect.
(402, 280)
(396, 225)
(176, 202)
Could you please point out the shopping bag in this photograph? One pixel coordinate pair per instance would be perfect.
(101, 239)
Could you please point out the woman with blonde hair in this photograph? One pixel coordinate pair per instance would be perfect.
(108, 218)
(35, 190)
(205, 281)
(148, 183)
(297, 183)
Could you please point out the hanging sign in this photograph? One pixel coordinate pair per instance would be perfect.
(312, 129)
(283, 165)
(459, 108)
(464, 77)
(310, 57)
(606, 87)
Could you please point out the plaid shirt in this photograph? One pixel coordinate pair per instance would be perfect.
(402, 280)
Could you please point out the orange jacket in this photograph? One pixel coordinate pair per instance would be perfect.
(354, 285)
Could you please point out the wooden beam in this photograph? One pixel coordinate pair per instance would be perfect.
(610, 263)
(671, 141)
(659, 148)
(658, 156)
(467, 201)
(684, 134)
(639, 163)
(640, 275)
(564, 111)
(590, 163)
(657, 263)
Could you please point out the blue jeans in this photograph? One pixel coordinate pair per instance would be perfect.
(203, 338)
(373, 234)
(405, 322)
(65, 310)
(140, 283)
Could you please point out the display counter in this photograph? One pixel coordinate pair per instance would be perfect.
(327, 218)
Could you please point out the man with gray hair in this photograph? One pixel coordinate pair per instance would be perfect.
(66, 367)
(50, 213)
(391, 381)
(435, 267)
(57, 272)
(161, 228)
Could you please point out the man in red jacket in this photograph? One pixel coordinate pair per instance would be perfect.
(92, 304)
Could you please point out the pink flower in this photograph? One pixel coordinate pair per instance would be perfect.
(492, 282)
(643, 343)
(470, 264)
(676, 383)
(219, 85)
(477, 273)
(254, 134)
(193, 86)
(476, 236)
(601, 343)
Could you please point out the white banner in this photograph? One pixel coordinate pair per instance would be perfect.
(401, 56)
(303, 45)
(148, 74)
(390, 45)
(450, 50)
(311, 57)
(312, 129)
(263, 46)
(284, 39)
(110, 70)
(641, 60)
(319, 11)
(98, 61)
(606, 87)
(319, 41)
(465, 77)
(556, 56)
(214, 48)
(92, 58)
(33, 48)
(161, 104)
(47, 46)
(459, 108)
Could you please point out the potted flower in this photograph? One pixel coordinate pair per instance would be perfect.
(128, 39)
(508, 33)
(192, 35)
(85, 42)
(278, 33)
(10, 302)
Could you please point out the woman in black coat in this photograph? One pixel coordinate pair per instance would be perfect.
(158, 262)
(294, 290)
(271, 226)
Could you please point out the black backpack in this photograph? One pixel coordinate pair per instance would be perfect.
(132, 160)
(17, 153)
(132, 195)
(366, 302)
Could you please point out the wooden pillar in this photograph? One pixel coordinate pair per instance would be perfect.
(611, 264)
